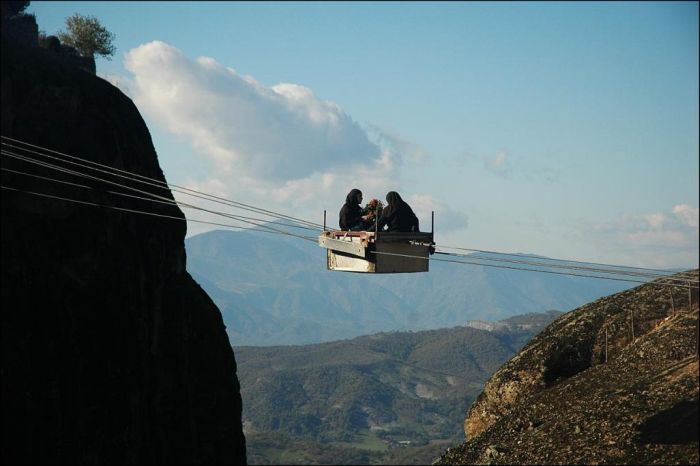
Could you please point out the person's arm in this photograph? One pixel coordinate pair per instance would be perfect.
(382, 220)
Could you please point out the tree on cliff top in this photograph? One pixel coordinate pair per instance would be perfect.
(13, 8)
(88, 36)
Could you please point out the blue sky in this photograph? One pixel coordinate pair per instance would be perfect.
(563, 129)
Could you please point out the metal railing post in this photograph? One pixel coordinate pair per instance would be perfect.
(606, 344)
(690, 297)
(632, 324)
(376, 225)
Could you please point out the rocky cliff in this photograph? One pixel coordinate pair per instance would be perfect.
(615, 381)
(111, 353)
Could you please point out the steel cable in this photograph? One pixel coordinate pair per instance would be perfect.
(631, 271)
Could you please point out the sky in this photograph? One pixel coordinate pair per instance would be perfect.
(564, 129)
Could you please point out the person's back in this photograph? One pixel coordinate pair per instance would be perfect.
(398, 215)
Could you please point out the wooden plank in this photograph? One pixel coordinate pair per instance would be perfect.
(348, 247)
(344, 263)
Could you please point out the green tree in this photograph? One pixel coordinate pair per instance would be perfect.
(88, 36)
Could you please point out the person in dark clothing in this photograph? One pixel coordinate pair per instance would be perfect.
(350, 217)
(397, 215)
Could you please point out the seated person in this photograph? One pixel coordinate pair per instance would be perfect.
(350, 217)
(397, 215)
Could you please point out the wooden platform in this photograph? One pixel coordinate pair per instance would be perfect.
(381, 252)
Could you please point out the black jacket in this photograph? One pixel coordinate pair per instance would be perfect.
(397, 216)
(351, 213)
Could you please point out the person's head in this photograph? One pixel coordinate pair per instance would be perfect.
(354, 197)
(392, 197)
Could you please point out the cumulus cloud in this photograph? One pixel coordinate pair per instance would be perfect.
(659, 239)
(498, 164)
(278, 132)
(505, 165)
(448, 219)
(687, 214)
(407, 150)
(280, 147)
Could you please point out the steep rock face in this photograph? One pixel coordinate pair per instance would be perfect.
(559, 402)
(111, 353)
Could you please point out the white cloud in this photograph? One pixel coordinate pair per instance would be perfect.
(446, 219)
(408, 151)
(498, 164)
(656, 221)
(279, 147)
(505, 165)
(660, 239)
(279, 132)
(687, 214)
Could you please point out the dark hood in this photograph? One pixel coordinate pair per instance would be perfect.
(393, 198)
(353, 197)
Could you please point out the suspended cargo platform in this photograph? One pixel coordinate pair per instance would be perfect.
(377, 252)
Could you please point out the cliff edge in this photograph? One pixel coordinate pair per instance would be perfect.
(111, 352)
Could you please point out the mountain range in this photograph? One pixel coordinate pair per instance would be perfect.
(275, 290)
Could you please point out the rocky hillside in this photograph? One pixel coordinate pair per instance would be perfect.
(615, 381)
(111, 353)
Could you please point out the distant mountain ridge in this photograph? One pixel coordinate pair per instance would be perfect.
(520, 322)
(274, 290)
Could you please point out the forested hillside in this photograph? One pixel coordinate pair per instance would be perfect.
(390, 397)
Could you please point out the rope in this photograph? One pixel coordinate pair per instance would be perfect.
(590, 269)
(558, 260)
(48, 165)
(152, 181)
(123, 209)
(531, 270)
(173, 202)
(643, 272)
(308, 238)
(157, 184)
